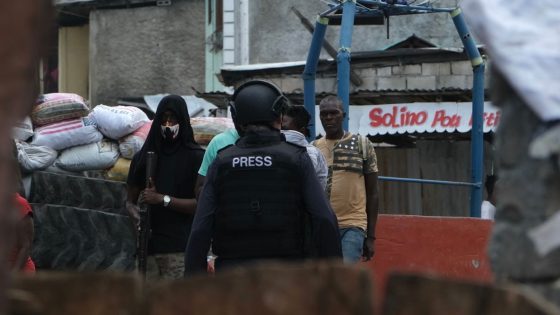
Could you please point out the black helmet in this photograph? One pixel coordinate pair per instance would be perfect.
(257, 101)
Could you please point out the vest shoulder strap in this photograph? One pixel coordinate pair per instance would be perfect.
(363, 146)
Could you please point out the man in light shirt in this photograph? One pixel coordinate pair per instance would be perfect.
(295, 124)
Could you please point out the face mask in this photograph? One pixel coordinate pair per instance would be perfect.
(170, 132)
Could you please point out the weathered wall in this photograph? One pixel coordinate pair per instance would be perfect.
(430, 159)
(422, 76)
(277, 35)
(527, 198)
(146, 50)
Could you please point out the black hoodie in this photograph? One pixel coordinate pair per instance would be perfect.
(178, 162)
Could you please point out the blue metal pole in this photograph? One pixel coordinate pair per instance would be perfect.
(425, 181)
(311, 69)
(343, 57)
(331, 10)
(477, 140)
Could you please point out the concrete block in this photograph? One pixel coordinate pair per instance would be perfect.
(391, 83)
(229, 17)
(369, 83)
(384, 71)
(407, 69)
(453, 81)
(461, 67)
(229, 56)
(436, 68)
(421, 82)
(229, 5)
(229, 43)
(229, 29)
(367, 73)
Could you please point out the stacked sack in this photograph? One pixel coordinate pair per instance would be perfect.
(63, 135)
(205, 128)
(68, 137)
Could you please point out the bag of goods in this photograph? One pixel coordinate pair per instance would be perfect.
(119, 172)
(68, 133)
(129, 145)
(34, 158)
(55, 107)
(23, 130)
(116, 122)
(205, 128)
(94, 156)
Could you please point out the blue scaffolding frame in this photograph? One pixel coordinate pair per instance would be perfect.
(377, 8)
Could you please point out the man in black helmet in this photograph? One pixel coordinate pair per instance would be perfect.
(261, 199)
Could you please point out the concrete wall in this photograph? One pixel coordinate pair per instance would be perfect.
(424, 76)
(277, 35)
(146, 50)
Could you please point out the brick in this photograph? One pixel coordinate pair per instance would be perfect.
(421, 82)
(391, 83)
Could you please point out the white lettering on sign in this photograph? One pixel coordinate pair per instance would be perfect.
(252, 161)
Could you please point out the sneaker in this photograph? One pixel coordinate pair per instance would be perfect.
(546, 143)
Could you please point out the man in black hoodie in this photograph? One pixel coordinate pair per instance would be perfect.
(261, 199)
(171, 190)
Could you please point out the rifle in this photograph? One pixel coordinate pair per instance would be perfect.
(144, 228)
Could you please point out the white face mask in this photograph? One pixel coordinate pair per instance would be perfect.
(173, 131)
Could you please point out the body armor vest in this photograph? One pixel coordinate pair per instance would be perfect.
(260, 209)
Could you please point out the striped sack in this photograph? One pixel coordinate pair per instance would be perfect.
(55, 107)
(68, 133)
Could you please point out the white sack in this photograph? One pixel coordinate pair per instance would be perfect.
(68, 133)
(116, 122)
(129, 145)
(34, 158)
(94, 156)
(23, 130)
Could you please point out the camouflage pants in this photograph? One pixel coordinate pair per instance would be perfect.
(165, 266)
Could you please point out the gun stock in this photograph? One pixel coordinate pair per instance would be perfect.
(144, 227)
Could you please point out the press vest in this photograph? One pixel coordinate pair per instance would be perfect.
(260, 209)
